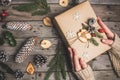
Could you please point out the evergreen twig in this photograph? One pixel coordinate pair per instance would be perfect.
(98, 34)
(37, 7)
(92, 40)
(6, 67)
(57, 64)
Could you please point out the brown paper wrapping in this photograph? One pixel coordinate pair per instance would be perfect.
(71, 21)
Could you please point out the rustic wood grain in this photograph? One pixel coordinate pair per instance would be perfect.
(107, 2)
(106, 12)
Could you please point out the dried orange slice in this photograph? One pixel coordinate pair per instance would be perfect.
(30, 69)
(45, 44)
(63, 3)
(47, 22)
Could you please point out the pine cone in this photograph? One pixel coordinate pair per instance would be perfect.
(6, 2)
(40, 60)
(3, 56)
(19, 74)
(18, 26)
(26, 49)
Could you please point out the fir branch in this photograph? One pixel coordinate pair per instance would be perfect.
(49, 72)
(73, 2)
(37, 7)
(40, 12)
(62, 66)
(98, 34)
(6, 67)
(92, 40)
(26, 7)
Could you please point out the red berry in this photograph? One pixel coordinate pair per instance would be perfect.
(101, 30)
(4, 14)
(40, 74)
(4, 11)
(93, 34)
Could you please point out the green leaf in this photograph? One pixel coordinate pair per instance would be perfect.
(6, 67)
(98, 34)
(40, 12)
(26, 7)
(92, 40)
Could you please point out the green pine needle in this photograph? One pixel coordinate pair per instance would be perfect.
(49, 72)
(40, 12)
(6, 67)
(26, 7)
(57, 64)
(98, 34)
(92, 40)
(38, 7)
(62, 66)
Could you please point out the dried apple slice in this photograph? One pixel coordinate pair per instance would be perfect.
(63, 3)
(30, 69)
(83, 39)
(47, 22)
(45, 44)
(88, 36)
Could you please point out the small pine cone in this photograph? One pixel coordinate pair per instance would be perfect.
(19, 74)
(6, 2)
(40, 60)
(26, 49)
(18, 26)
(3, 56)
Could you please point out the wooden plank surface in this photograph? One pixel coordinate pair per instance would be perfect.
(107, 2)
(108, 10)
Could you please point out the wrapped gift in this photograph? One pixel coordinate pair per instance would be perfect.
(79, 29)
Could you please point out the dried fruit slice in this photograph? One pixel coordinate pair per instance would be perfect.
(30, 69)
(63, 3)
(47, 22)
(45, 44)
(101, 30)
(84, 40)
(88, 36)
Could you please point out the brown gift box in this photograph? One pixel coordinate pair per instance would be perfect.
(70, 22)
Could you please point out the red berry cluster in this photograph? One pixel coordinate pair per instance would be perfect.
(101, 30)
(3, 15)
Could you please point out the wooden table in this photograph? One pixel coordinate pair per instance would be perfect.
(108, 10)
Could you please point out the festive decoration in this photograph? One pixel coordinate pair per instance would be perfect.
(26, 49)
(45, 44)
(10, 38)
(63, 3)
(37, 7)
(101, 30)
(47, 22)
(79, 30)
(1, 41)
(30, 69)
(57, 64)
(19, 74)
(40, 60)
(3, 56)
(84, 35)
(6, 68)
(5, 2)
(2, 76)
(18, 26)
